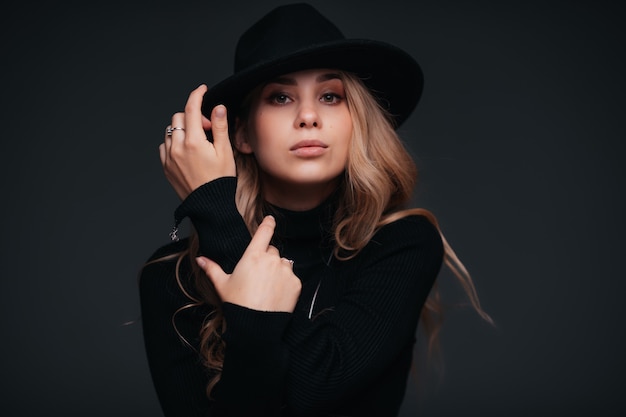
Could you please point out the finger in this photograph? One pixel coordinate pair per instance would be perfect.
(162, 153)
(178, 126)
(219, 127)
(212, 270)
(193, 114)
(167, 139)
(206, 123)
(261, 239)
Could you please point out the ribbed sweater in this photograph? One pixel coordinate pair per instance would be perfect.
(346, 350)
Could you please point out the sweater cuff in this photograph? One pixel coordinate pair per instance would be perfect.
(213, 198)
(223, 234)
(253, 327)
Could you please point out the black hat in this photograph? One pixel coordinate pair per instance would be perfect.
(297, 37)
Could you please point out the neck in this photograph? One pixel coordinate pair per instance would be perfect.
(297, 197)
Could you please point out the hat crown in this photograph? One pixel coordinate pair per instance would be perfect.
(283, 31)
(297, 37)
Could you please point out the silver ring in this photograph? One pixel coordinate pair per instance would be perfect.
(172, 129)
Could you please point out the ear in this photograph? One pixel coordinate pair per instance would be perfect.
(241, 138)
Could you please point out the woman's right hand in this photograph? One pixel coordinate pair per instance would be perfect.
(262, 280)
(189, 159)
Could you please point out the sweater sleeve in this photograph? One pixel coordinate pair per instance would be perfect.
(222, 232)
(255, 363)
(345, 349)
(255, 359)
(177, 374)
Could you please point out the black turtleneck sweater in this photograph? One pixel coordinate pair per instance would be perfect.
(346, 349)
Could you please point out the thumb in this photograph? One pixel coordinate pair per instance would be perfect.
(219, 127)
(215, 272)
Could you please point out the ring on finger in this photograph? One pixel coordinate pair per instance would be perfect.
(170, 129)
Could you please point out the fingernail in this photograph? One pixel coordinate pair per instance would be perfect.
(220, 111)
(201, 262)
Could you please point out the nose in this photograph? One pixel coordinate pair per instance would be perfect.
(307, 117)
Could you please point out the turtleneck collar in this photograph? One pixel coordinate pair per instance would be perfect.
(315, 223)
(305, 236)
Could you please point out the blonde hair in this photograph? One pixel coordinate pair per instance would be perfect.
(379, 179)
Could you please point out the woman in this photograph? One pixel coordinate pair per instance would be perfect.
(300, 290)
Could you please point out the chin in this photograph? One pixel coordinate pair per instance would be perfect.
(320, 181)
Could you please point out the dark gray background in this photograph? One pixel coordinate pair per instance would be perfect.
(519, 138)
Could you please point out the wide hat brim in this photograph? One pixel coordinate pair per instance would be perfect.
(392, 75)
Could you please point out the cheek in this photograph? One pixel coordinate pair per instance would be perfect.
(262, 145)
(262, 131)
(344, 129)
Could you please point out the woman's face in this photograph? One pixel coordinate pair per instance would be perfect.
(299, 130)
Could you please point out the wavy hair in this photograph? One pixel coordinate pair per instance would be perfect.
(379, 179)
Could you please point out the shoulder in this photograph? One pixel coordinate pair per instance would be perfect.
(404, 256)
(411, 230)
(411, 241)
(160, 268)
(169, 249)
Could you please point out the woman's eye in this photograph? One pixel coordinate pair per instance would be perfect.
(331, 98)
(279, 98)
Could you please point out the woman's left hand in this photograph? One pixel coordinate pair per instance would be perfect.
(262, 280)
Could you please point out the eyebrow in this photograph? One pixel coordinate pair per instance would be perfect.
(292, 81)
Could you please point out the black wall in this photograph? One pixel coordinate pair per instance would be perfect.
(519, 138)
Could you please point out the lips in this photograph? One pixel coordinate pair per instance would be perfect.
(308, 144)
(309, 148)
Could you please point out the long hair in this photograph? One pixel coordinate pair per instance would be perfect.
(378, 180)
